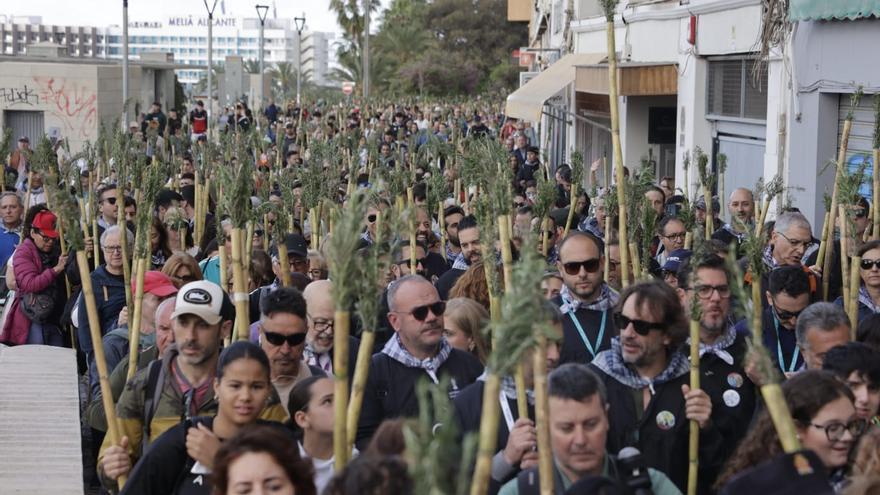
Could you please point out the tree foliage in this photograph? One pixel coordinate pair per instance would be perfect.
(437, 48)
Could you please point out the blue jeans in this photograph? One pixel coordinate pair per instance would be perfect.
(45, 334)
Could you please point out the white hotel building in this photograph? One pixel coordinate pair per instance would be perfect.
(184, 36)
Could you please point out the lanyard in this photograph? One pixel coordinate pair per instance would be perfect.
(580, 329)
(794, 356)
(505, 409)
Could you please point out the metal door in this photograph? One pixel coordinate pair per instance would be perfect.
(25, 123)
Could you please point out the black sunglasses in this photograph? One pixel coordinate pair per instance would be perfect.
(783, 315)
(861, 213)
(292, 340)
(421, 312)
(867, 264)
(574, 267)
(640, 326)
(111, 200)
(371, 218)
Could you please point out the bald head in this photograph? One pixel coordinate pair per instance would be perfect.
(395, 289)
(741, 206)
(319, 307)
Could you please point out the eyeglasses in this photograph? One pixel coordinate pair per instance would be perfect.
(186, 278)
(867, 264)
(834, 431)
(113, 249)
(574, 267)
(321, 325)
(278, 339)
(669, 274)
(705, 291)
(419, 261)
(44, 236)
(796, 243)
(297, 262)
(421, 312)
(371, 218)
(679, 236)
(861, 213)
(640, 326)
(111, 200)
(783, 315)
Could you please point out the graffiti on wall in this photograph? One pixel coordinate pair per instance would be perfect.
(24, 95)
(74, 105)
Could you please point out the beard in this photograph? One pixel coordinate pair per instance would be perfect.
(454, 241)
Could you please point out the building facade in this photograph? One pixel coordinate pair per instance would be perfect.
(692, 74)
(184, 36)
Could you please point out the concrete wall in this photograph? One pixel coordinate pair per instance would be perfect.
(67, 94)
(77, 98)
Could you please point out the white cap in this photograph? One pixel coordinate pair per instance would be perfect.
(201, 298)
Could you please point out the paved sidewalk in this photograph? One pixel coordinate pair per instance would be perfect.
(40, 451)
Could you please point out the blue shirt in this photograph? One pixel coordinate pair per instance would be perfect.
(9, 239)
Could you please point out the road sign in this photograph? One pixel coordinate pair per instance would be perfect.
(526, 59)
(347, 88)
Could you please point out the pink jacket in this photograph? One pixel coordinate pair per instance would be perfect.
(30, 276)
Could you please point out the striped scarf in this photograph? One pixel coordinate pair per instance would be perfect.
(611, 363)
(396, 351)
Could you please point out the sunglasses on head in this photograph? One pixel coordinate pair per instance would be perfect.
(640, 326)
(292, 340)
(421, 312)
(574, 267)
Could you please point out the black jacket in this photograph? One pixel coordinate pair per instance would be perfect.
(166, 467)
(573, 349)
(390, 391)
(734, 398)
(468, 410)
(664, 446)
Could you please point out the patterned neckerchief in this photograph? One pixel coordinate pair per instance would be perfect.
(865, 298)
(460, 263)
(395, 350)
(718, 348)
(607, 299)
(611, 362)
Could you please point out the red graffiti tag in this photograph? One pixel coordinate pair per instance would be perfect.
(74, 105)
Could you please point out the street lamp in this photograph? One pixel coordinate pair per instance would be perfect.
(262, 10)
(300, 24)
(125, 63)
(210, 61)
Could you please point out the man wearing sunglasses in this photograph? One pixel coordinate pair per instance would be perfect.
(646, 376)
(585, 300)
(283, 332)
(416, 351)
(320, 307)
(788, 294)
(107, 207)
(705, 284)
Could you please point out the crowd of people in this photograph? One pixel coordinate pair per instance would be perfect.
(208, 413)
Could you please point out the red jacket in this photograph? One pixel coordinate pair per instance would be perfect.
(30, 276)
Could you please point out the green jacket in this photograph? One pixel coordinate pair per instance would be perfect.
(95, 416)
(660, 484)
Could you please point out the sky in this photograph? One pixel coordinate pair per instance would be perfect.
(101, 13)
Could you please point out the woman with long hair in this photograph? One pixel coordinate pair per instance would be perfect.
(182, 269)
(259, 460)
(823, 410)
(35, 314)
(159, 249)
(464, 321)
(180, 460)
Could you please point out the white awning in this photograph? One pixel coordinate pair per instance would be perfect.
(527, 102)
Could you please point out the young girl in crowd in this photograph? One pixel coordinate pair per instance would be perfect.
(312, 409)
(181, 459)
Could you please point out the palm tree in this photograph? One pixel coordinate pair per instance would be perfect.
(252, 66)
(216, 73)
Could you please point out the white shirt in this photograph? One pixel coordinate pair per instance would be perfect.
(323, 468)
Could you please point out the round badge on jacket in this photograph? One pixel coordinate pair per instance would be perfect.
(665, 420)
(735, 380)
(731, 398)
